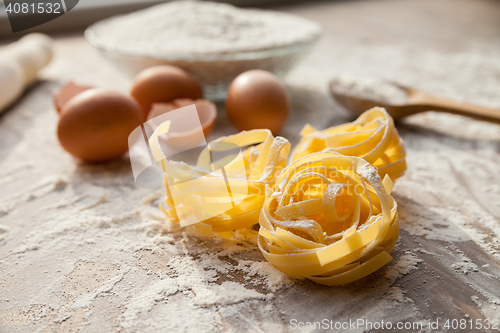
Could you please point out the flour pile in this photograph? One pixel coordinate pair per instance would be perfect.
(201, 28)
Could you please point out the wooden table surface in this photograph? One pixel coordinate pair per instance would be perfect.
(82, 249)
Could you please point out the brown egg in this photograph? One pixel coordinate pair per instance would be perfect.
(160, 84)
(257, 99)
(94, 125)
(67, 92)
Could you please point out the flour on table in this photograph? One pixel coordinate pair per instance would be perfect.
(406, 263)
(3, 230)
(85, 249)
(466, 266)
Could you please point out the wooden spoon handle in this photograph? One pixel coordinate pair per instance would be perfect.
(475, 111)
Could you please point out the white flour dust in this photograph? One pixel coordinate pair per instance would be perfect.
(82, 248)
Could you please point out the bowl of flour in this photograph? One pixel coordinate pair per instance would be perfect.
(214, 42)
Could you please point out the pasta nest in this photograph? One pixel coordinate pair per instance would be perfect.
(225, 194)
(329, 218)
(372, 137)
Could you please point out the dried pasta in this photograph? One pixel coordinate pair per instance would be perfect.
(329, 218)
(372, 137)
(204, 189)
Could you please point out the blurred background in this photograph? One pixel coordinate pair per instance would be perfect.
(91, 11)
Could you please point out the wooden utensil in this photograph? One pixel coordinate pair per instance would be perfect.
(19, 65)
(418, 101)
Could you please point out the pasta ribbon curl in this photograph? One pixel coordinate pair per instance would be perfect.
(329, 218)
(225, 194)
(372, 137)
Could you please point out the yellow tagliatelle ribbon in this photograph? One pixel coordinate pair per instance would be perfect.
(225, 194)
(329, 218)
(372, 137)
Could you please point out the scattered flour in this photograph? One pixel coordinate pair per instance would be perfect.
(406, 263)
(3, 230)
(465, 267)
(275, 280)
(85, 249)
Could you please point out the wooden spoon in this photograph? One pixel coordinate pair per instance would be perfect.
(418, 101)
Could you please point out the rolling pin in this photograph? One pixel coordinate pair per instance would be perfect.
(20, 63)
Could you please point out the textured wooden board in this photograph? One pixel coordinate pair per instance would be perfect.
(426, 287)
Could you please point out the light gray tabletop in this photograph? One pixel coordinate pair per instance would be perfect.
(82, 249)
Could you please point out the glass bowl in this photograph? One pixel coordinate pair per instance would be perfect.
(214, 72)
